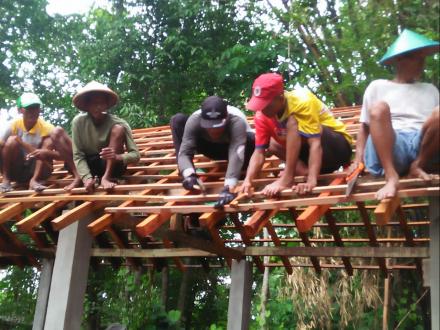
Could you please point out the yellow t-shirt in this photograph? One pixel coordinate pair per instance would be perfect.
(33, 137)
(311, 113)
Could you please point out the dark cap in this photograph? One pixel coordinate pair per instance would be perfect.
(214, 112)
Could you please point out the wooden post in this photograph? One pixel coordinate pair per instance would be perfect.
(43, 294)
(69, 278)
(240, 293)
(387, 286)
(386, 302)
(434, 233)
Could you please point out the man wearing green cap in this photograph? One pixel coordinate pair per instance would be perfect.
(29, 145)
(399, 131)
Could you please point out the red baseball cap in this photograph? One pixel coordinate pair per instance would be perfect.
(265, 88)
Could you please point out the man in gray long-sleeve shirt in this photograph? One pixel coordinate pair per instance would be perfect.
(218, 131)
(99, 137)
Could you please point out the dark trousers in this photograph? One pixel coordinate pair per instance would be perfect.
(216, 151)
(97, 167)
(336, 151)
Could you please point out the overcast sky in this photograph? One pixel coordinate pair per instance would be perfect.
(64, 7)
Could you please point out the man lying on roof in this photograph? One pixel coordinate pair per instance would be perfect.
(29, 145)
(298, 128)
(399, 132)
(218, 131)
(100, 139)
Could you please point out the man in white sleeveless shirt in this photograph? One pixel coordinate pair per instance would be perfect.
(399, 132)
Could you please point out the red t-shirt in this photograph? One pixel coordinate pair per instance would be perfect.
(266, 128)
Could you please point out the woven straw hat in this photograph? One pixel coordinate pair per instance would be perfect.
(80, 98)
(409, 41)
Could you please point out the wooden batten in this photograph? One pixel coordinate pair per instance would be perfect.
(385, 210)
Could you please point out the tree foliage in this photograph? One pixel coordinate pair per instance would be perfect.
(164, 57)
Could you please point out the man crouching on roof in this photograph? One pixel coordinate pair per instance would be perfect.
(298, 128)
(399, 132)
(218, 131)
(29, 145)
(99, 138)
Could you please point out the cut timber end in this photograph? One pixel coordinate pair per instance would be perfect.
(311, 215)
(385, 210)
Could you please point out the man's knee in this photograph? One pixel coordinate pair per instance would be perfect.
(379, 111)
(118, 130)
(12, 142)
(57, 134)
(433, 121)
(179, 119)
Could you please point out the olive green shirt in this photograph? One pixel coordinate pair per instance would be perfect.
(89, 139)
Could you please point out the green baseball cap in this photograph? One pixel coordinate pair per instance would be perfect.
(409, 41)
(28, 99)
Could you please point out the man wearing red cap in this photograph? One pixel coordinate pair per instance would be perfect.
(297, 127)
(399, 132)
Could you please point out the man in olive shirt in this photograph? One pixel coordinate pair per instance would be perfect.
(99, 138)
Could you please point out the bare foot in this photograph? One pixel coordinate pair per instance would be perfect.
(36, 186)
(389, 190)
(107, 184)
(416, 171)
(75, 183)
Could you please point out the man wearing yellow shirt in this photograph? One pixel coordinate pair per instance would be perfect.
(298, 128)
(29, 145)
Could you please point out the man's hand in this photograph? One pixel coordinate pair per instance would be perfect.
(190, 181)
(304, 188)
(225, 197)
(89, 184)
(109, 153)
(40, 154)
(353, 166)
(246, 187)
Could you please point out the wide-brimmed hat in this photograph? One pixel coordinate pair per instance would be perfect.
(81, 97)
(264, 89)
(409, 41)
(28, 99)
(214, 112)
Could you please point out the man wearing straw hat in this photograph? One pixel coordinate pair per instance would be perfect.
(399, 131)
(103, 145)
(29, 145)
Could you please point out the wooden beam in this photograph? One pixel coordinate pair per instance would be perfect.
(257, 221)
(75, 214)
(306, 241)
(210, 219)
(371, 235)
(79, 194)
(204, 245)
(277, 242)
(179, 264)
(99, 225)
(246, 240)
(338, 241)
(153, 222)
(336, 252)
(311, 215)
(385, 210)
(11, 211)
(39, 216)
(330, 200)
